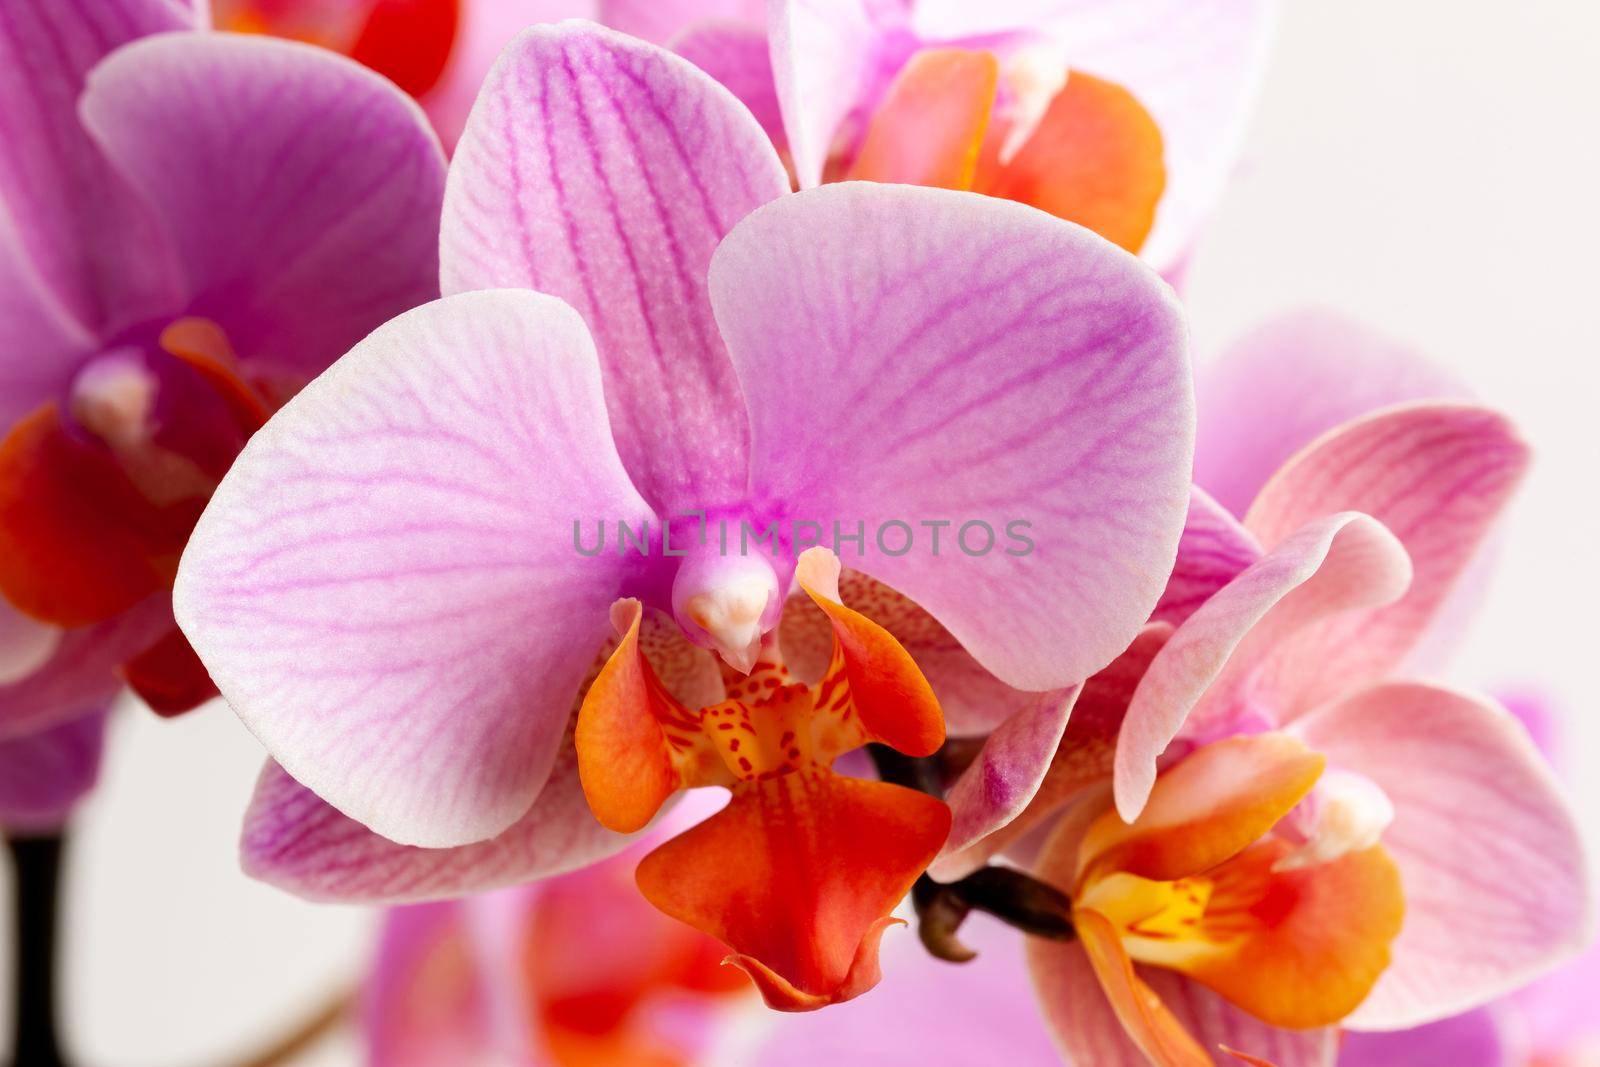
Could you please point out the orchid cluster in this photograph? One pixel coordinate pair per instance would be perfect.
(294, 412)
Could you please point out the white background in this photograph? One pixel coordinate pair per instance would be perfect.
(1430, 167)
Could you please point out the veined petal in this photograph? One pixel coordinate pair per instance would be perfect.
(387, 585)
(796, 875)
(298, 269)
(1147, 1021)
(871, 322)
(90, 243)
(931, 124)
(1438, 475)
(1484, 841)
(1214, 550)
(44, 343)
(1311, 370)
(1095, 158)
(43, 775)
(1328, 567)
(1206, 809)
(294, 840)
(1474, 1039)
(605, 170)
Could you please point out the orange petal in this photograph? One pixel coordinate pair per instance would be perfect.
(872, 690)
(637, 745)
(202, 345)
(1095, 159)
(78, 542)
(1148, 1022)
(931, 124)
(1245, 1057)
(1296, 948)
(169, 677)
(409, 41)
(1210, 807)
(797, 875)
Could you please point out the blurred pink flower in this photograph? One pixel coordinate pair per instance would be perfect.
(160, 297)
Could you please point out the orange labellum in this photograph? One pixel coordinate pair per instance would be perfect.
(931, 124)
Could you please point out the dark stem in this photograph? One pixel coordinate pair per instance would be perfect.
(919, 773)
(37, 861)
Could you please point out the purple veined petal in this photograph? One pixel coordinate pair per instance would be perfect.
(917, 356)
(44, 775)
(425, 1001)
(1288, 382)
(1214, 550)
(1484, 841)
(605, 170)
(737, 55)
(659, 21)
(912, 1018)
(1475, 1039)
(1327, 568)
(387, 585)
(298, 268)
(294, 840)
(827, 62)
(1438, 475)
(486, 28)
(82, 669)
(1193, 64)
(90, 241)
(1004, 777)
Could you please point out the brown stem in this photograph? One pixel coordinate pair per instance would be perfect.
(320, 1024)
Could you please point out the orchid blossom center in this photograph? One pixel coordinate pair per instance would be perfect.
(726, 604)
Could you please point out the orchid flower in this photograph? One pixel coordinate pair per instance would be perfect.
(390, 590)
(191, 226)
(1548, 1024)
(1294, 838)
(439, 51)
(1135, 143)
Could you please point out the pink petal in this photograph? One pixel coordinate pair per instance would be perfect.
(1491, 861)
(912, 1017)
(426, 1002)
(826, 62)
(1289, 381)
(92, 247)
(1476, 1039)
(486, 28)
(295, 841)
(44, 343)
(737, 56)
(1437, 475)
(1194, 64)
(1329, 567)
(300, 267)
(605, 170)
(1007, 773)
(1213, 551)
(659, 21)
(44, 775)
(386, 586)
(917, 355)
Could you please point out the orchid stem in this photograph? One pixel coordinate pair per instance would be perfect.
(35, 1039)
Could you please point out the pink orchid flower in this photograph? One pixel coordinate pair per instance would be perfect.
(1136, 143)
(1548, 1024)
(389, 591)
(1299, 838)
(191, 226)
